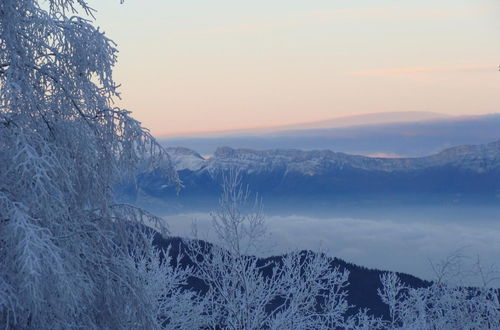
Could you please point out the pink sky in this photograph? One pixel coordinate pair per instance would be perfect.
(193, 66)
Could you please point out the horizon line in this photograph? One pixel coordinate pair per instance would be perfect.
(293, 125)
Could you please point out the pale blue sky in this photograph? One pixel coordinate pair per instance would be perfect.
(210, 65)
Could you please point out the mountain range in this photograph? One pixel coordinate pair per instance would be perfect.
(455, 174)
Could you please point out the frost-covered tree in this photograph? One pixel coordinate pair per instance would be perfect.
(300, 290)
(439, 306)
(69, 256)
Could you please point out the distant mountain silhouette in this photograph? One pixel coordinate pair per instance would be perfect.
(389, 134)
(377, 118)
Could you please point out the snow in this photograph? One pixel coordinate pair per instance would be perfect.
(185, 159)
(475, 158)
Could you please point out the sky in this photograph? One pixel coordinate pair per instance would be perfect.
(197, 66)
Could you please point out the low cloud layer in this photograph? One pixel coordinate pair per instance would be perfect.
(405, 246)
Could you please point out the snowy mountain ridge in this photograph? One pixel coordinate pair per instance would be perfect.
(476, 158)
(185, 159)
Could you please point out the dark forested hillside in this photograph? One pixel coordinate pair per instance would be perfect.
(363, 282)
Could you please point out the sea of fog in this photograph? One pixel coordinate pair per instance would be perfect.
(400, 238)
